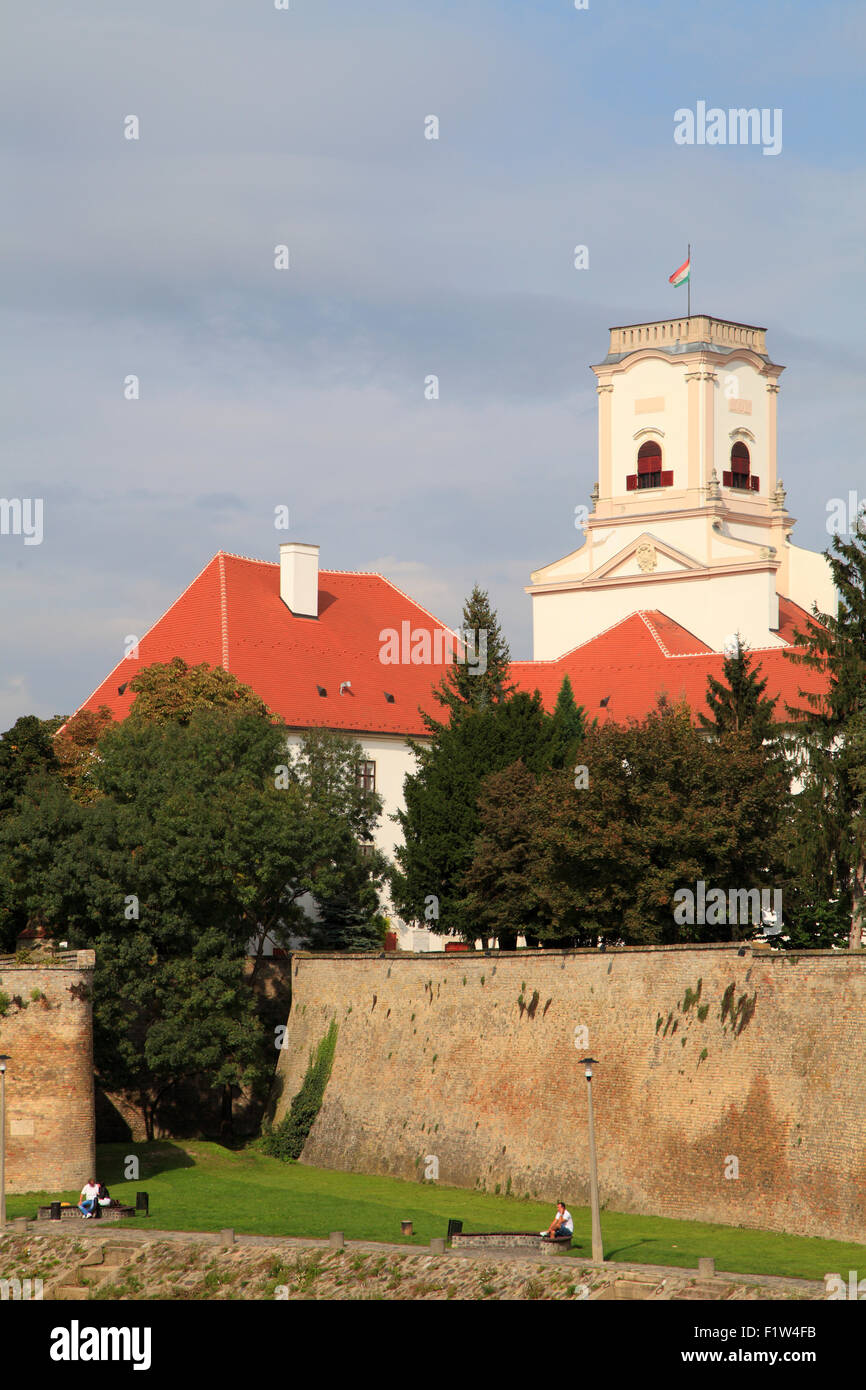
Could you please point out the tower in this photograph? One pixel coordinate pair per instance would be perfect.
(689, 514)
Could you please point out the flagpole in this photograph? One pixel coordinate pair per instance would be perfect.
(689, 281)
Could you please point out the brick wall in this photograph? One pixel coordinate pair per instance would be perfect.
(705, 1055)
(49, 1078)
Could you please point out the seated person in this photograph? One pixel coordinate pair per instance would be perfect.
(104, 1198)
(562, 1224)
(88, 1199)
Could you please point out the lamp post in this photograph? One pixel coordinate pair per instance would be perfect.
(597, 1247)
(4, 1058)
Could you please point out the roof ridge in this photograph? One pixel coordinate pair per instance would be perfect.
(415, 604)
(635, 613)
(275, 564)
(643, 615)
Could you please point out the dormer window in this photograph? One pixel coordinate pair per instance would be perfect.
(739, 474)
(649, 469)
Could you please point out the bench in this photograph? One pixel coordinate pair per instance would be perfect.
(510, 1240)
(73, 1214)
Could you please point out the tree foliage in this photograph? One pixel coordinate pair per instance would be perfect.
(75, 747)
(481, 680)
(737, 702)
(441, 819)
(172, 692)
(202, 837)
(663, 808)
(831, 745)
(287, 1139)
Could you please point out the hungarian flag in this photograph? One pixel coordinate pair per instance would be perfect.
(680, 276)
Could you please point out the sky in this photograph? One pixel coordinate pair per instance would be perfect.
(408, 257)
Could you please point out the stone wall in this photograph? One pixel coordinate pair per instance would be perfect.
(711, 1060)
(45, 1027)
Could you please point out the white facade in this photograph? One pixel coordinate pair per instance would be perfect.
(693, 393)
(394, 761)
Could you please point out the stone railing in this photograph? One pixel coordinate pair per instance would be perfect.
(700, 328)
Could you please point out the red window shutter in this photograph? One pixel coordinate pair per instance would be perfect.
(651, 463)
(754, 483)
(668, 478)
(727, 478)
(631, 482)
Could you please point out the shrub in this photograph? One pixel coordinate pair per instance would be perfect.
(287, 1139)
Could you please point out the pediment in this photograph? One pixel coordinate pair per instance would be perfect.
(646, 556)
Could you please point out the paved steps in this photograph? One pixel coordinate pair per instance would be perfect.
(98, 1266)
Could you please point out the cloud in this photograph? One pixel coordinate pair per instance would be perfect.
(409, 258)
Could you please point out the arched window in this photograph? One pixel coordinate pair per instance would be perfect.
(649, 468)
(739, 473)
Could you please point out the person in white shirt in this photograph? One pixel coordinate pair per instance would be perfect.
(89, 1196)
(562, 1224)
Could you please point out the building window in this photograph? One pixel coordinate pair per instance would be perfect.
(367, 776)
(649, 469)
(739, 474)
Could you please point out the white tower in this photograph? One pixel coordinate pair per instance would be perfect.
(688, 514)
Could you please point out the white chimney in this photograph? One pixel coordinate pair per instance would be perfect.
(299, 578)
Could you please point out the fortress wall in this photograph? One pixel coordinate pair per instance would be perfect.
(471, 1058)
(49, 1077)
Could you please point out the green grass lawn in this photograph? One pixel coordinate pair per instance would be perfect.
(204, 1187)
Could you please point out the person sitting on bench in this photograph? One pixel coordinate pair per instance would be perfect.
(104, 1198)
(561, 1225)
(88, 1199)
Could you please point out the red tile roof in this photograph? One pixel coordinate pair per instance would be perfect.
(648, 654)
(232, 615)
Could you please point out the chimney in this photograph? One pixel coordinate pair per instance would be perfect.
(299, 578)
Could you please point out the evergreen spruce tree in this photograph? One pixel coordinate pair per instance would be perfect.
(737, 702)
(832, 726)
(568, 725)
(441, 819)
(481, 680)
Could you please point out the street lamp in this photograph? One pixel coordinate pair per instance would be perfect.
(4, 1058)
(597, 1247)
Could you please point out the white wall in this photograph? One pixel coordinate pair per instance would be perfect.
(394, 761)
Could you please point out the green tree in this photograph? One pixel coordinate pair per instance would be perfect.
(202, 840)
(171, 692)
(737, 702)
(503, 897)
(481, 679)
(441, 818)
(25, 750)
(830, 742)
(662, 807)
(569, 722)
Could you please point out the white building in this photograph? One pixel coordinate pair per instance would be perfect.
(688, 542)
(689, 513)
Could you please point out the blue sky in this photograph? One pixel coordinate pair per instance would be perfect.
(408, 257)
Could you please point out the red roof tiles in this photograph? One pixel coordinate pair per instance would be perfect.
(232, 615)
(646, 655)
